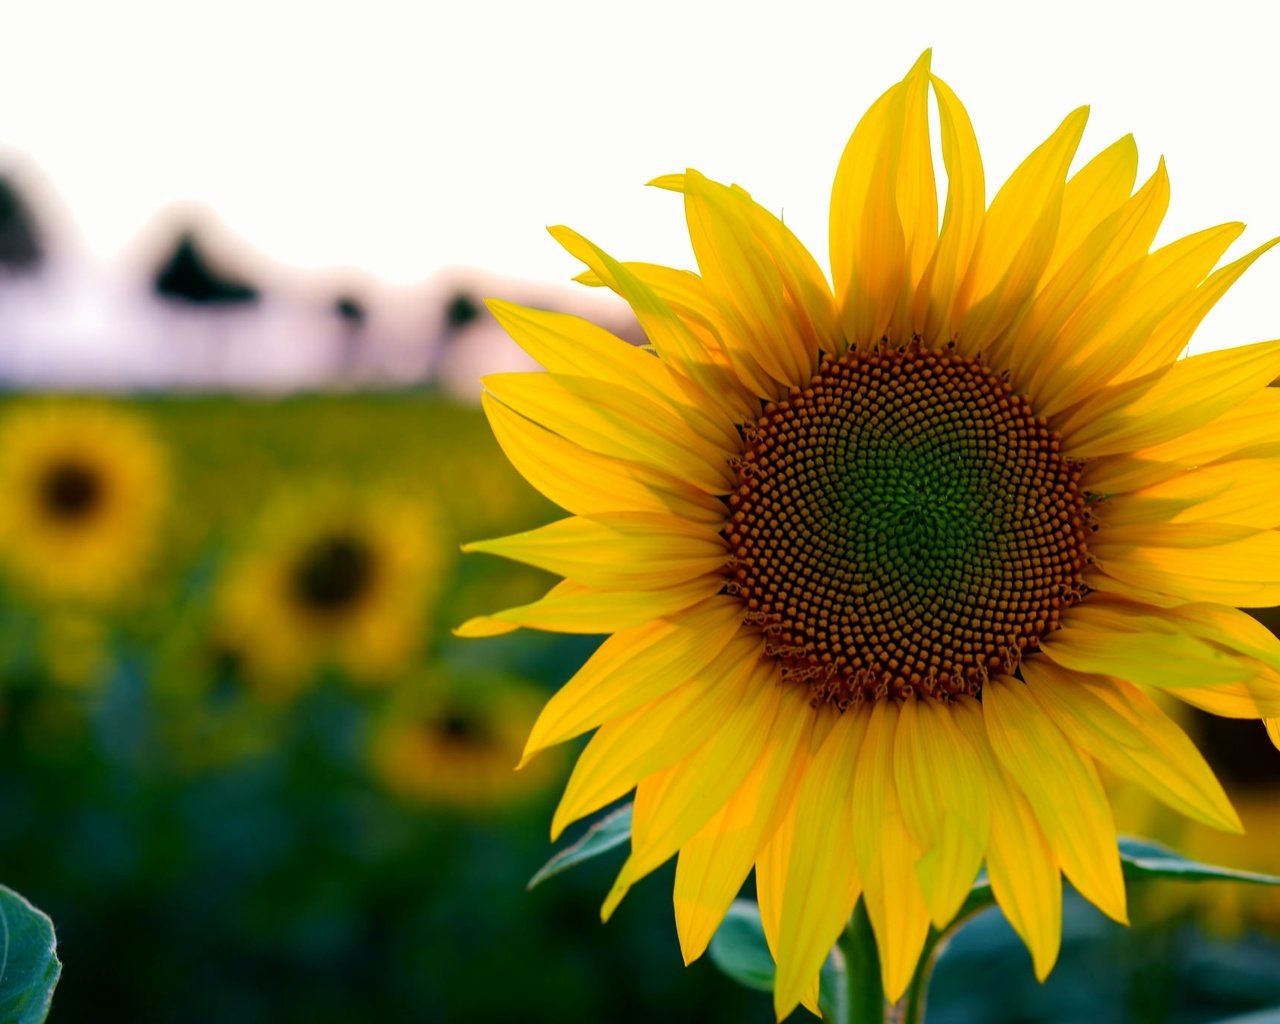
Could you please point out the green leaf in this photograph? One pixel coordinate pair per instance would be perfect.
(1260, 1017)
(1142, 858)
(612, 830)
(739, 949)
(29, 967)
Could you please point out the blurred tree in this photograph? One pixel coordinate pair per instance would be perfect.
(187, 275)
(350, 311)
(21, 250)
(353, 317)
(460, 311)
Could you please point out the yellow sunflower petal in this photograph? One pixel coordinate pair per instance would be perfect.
(1111, 330)
(1035, 344)
(771, 878)
(961, 222)
(917, 195)
(1092, 194)
(771, 875)
(1017, 238)
(613, 421)
(1191, 393)
(653, 736)
(1154, 658)
(886, 856)
(673, 804)
(635, 666)
(1198, 562)
(572, 608)
(943, 794)
(1233, 701)
(614, 550)
(1062, 786)
(1124, 730)
(685, 294)
(1273, 730)
(777, 302)
(714, 863)
(1173, 333)
(1249, 430)
(1238, 492)
(570, 346)
(674, 342)
(1024, 872)
(867, 238)
(822, 880)
(582, 482)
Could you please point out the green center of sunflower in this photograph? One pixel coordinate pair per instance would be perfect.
(70, 491)
(904, 525)
(334, 573)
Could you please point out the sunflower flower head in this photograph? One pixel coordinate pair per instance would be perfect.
(331, 578)
(891, 566)
(83, 492)
(445, 744)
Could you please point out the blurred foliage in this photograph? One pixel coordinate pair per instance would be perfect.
(21, 249)
(187, 275)
(345, 850)
(352, 846)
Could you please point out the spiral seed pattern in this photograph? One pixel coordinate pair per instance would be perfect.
(904, 525)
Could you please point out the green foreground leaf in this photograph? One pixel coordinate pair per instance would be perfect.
(1142, 858)
(29, 967)
(605, 833)
(1259, 1017)
(739, 949)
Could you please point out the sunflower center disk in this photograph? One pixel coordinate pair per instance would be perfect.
(903, 525)
(70, 491)
(333, 574)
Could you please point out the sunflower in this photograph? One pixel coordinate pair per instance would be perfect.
(453, 746)
(83, 489)
(890, 568)
(331, 579)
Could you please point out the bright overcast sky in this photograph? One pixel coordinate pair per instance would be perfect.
(400, 138)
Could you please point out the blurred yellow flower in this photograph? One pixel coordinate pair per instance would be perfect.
(83, 489)
(890, 572)
(332, 578)
(458, 746)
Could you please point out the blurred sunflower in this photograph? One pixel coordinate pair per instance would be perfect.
(454, 746)
(83, 489)
(890, 571)
(331, 579)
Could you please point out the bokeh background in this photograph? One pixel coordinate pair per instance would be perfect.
(244, 763)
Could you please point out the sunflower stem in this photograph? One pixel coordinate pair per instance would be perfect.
(863, 1001)
(910, 1009)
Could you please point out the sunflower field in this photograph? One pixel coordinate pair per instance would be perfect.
(252, 775)
(247, 768)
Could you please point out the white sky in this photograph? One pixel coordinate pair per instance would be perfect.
(399, 138)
